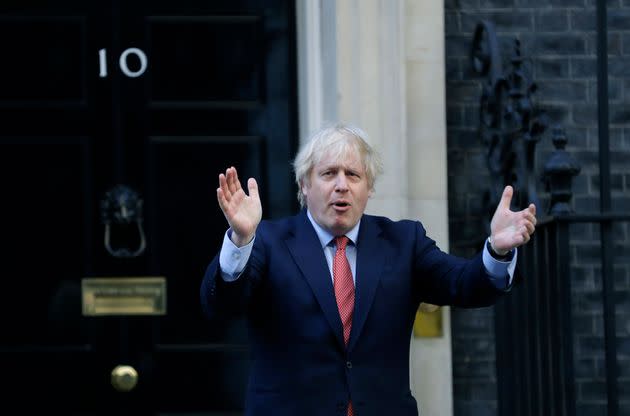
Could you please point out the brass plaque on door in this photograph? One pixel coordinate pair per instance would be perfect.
(428, 323)
(123, 296)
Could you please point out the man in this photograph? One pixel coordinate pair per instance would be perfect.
(331, 293)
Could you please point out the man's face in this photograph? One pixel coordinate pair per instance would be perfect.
(337, 192)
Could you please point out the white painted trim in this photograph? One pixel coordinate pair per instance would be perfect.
(309, 66)
(317, 64)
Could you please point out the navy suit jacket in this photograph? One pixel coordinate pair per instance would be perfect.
(300, 363)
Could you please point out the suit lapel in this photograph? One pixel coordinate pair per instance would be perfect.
(306, 250)
(370, 262)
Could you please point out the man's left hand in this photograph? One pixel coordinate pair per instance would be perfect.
(511, 229)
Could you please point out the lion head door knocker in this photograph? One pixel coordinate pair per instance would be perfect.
(121, 213)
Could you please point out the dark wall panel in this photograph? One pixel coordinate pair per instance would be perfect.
(44, 229)
(42, 59)
(206, 58)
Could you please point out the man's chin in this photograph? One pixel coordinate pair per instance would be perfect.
(340, 228)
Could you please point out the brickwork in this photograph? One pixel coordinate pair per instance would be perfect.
(558, 38)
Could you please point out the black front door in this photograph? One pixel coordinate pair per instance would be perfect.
(159, 97)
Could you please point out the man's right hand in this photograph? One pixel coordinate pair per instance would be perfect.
(241, 211)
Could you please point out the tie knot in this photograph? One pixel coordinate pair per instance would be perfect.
(342, 242)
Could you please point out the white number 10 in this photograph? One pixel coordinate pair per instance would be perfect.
(122, 62)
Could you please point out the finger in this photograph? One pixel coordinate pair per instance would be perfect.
(506, 198)
(529, 217)
(237, 182)
(532, 209)
(234, 183)
(222, 200)
(525, 239)
(530, 228)
(231, 179)
(518, 238)
(224, 187)
(252, 187)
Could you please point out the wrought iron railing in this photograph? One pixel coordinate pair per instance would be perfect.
(534, 325)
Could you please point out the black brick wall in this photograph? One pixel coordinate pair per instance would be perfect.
(558, 38)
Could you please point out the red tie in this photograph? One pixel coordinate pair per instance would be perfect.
(344, 286)
(344, 291)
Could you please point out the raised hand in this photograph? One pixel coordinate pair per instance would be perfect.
(243, 212)
(511, 229)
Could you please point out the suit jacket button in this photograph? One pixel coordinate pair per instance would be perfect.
(349, 364)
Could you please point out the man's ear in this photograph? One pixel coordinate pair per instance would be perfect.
(304, 186)
(370, 193)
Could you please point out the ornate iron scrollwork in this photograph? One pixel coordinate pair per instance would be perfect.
(510, 124)
(121, 210)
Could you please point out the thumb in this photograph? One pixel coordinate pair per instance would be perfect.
(506, 198)
(252, 186)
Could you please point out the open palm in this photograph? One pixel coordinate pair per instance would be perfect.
(243, 212)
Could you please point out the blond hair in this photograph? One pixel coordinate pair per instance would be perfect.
(339, 140)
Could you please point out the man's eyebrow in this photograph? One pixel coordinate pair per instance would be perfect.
(330, 166)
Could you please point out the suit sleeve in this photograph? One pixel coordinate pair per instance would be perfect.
(221, 298)
(450, 280)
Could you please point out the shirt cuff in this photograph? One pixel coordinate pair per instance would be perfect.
(232, 259)
(500, 273)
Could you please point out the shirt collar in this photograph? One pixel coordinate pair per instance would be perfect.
(325, 237)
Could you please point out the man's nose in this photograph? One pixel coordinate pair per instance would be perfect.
(341, 182)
